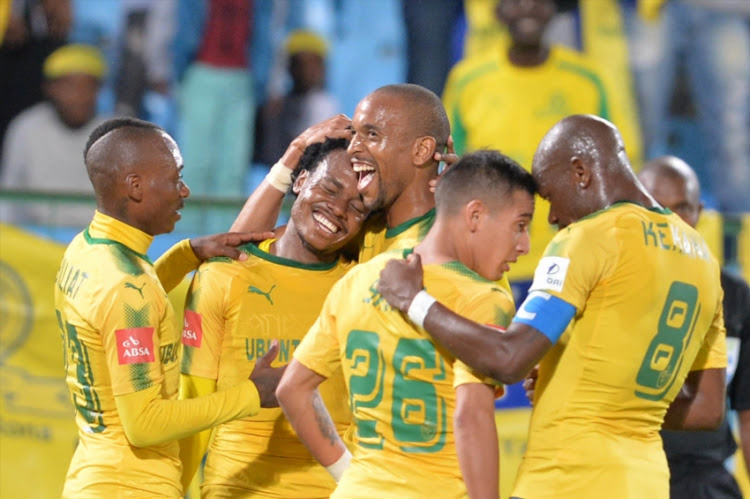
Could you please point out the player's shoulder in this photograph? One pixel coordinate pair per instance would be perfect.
(474, 68)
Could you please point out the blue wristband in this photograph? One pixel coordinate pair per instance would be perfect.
(546, 313)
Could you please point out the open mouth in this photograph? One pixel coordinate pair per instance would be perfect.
(326, 223)
(366, 174)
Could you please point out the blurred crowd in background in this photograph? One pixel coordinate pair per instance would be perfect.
(234, 81)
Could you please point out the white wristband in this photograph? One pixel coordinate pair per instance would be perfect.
(419, 307)
(280, 177)
(339, 467)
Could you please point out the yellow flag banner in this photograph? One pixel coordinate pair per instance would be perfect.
(37, 428)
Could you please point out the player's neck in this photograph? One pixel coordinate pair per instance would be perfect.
(528, 55)
(291, 246)
(437, 246)
(415, 201)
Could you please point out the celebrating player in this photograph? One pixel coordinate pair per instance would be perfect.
(235, 309)
(422, 418)
(640, 291)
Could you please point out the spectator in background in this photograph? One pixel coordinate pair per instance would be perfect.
(216, 102)
(308, 102)
(713, 37)
(509, 97)
(696, 459)
(43, 149)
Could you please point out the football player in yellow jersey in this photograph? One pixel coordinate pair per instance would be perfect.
(424, 421)
(121, 346)
(625, 307)
(507, 99)
(399, 135)
(236, 308)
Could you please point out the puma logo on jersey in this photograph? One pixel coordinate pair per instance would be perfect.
(130, 285)
(253, 289)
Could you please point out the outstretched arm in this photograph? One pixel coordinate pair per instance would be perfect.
(299, 398)
(476, 439)
(700, 403)
(506, 357)
(262, 208)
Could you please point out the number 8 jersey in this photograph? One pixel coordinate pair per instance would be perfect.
(647, 300)
(401, 384)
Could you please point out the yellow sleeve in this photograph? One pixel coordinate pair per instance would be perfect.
(319, 349)
(175, 264)
(149, 419)
(713, 352)
(193, 447)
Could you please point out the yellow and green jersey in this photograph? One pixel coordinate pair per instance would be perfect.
(234, 310)
(492, 103)
(119, 337)
(378, 238)
(401, 385)
(647, 301)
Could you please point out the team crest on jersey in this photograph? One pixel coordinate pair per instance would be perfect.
(135, 345)
(192, 332)
(550, 274)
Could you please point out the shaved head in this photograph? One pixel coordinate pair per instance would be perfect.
(674, 185)
(581, 167)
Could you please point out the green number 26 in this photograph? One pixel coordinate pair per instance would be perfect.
(665, 352)
(418, 417)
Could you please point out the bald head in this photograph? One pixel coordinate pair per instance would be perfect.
(674, 185)
(581, 167)
(427, 116)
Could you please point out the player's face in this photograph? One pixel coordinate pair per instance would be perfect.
(556, 187)
(381, 149)
(674, 194)
(164, 189)
(504, 236)
(329, 210)
(526, 19)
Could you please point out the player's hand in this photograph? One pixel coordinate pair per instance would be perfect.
(401, 280)
(206, 247)
(448, 158)
(529, 384)
(337, 127)
(266, 378)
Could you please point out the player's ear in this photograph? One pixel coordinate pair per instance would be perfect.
(300, 181)
(581, 172)
(423, 150)
(474, 213)
(134, 186)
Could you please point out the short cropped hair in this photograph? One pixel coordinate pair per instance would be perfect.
(487, 175)
(315, 154)
(117, 123)
(426, 111)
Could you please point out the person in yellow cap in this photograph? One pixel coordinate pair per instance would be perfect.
(282, 119)
(43, 146)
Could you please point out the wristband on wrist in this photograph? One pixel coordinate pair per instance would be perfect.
(280, 177)
(419, 307)
(339, 467)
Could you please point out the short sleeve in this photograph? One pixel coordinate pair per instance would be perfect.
(713, 351)
(133, 311)
(204, 322)
(319, 349)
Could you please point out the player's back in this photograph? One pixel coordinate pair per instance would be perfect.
(402, 386)
(103, 282)
(648, 300)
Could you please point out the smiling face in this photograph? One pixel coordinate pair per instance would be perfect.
(381, 149)
(502, 236)
(329, 210)
(164, 191)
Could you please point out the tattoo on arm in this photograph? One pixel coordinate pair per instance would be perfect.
(323, 419)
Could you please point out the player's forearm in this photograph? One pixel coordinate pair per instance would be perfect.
(506, 357)
(476, 440)
(700, 404)
(175, 264)
(261, 210)
(150, 420)
(306, 412)
(193, 447)
(744, 418)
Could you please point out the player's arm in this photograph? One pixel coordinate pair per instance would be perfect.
(299, 398)
(506, 357)
(187, 255)
(193, 447)
(476, 439)
(744, 420)
(700, 403)
(262, 208)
